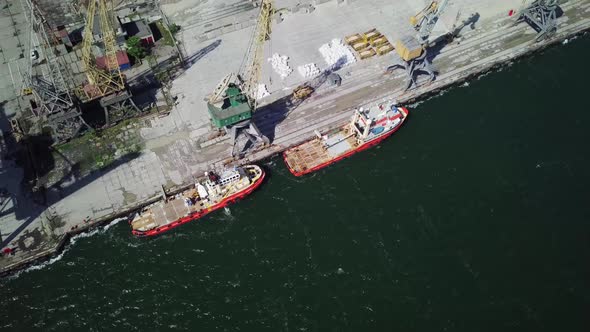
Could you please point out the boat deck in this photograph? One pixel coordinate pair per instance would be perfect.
(317, 151)
(166, 212)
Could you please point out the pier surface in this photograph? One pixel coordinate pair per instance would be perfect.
(176, 148)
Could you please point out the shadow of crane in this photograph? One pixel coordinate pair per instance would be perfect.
(268, 117)
(34, 158)
(146, 84)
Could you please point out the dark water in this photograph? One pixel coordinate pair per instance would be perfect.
(473, 217)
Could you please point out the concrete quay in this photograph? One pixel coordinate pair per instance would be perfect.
(173, 147)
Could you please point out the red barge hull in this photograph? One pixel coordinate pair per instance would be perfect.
(360, 148)
(199, 214)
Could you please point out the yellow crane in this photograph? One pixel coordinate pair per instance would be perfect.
(251, 71)
(421, 15)
(248, 75)
(106, 84)
(101, 81)
(233, 101)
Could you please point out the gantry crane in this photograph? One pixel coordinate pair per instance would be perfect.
(541, 15)
(413, 49)
(54, 106)
(232, 102)
(107, 83)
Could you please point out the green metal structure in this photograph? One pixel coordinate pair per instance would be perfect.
(233, 109)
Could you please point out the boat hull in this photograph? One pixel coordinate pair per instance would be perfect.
(199, 214)
(362, 147)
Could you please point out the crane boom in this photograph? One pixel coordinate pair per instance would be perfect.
(252, 71)
(105, 81)
(87, 38)
(231, 104)
(234, 99)
(427, 18)
(110, 44)
(419, 17)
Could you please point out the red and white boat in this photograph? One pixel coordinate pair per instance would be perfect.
(367, 128)
(209, 194)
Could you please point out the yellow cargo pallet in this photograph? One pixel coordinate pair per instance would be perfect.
(372, 35)
(384, 49)
(369, 52)
(370, 31)
(353, 39)
(379, 41)
(360, 46)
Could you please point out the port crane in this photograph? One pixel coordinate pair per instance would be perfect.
(235, 99)
(106, 84)
(541, 15)
(413, 49)
(53, 106)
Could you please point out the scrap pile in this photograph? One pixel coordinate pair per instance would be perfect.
(369, 43)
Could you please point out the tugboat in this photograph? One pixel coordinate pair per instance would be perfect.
(211, 193)
(367, 128)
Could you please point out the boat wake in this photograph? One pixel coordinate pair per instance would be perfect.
(227, 213)
(39, 266)
(71, 243)
(111, 224)
(466, 83)
(419, 102)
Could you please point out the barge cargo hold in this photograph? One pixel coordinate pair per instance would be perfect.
(211, 193)
(367, 128)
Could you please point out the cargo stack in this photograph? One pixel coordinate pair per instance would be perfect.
(367, 44)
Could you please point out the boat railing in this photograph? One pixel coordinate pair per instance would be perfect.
(338, 141)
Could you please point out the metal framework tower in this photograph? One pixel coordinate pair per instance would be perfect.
(55, 106)
(106, 83)
(413, 50)
(540, 15)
